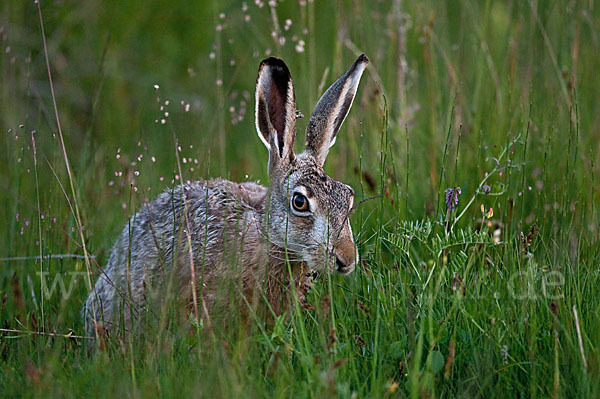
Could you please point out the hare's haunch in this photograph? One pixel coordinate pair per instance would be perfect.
(194, 238)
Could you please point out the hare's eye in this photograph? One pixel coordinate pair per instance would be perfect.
(300, 202)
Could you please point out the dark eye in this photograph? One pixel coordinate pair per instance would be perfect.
(300, 202)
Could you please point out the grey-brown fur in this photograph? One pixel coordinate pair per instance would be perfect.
(242, 235)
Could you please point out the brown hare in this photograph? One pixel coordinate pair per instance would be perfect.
(195, 236)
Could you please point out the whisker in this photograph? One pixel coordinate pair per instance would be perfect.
(355, 207)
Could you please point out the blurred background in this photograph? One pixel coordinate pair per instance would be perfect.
(447, 82)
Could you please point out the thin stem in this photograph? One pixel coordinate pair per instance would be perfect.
(496, 169)
(66, 159)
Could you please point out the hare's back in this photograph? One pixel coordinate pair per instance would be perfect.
(155, 240)
(212, 208)
(207, 204)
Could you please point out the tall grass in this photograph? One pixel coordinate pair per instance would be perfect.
(495, 298)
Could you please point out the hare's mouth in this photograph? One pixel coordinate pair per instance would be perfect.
(340, 267)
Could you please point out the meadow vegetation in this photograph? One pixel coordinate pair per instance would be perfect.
(473, 141)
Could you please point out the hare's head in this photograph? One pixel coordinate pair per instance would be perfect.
(308, 210)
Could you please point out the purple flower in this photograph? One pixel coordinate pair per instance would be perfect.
(486, 189)
(452, 197)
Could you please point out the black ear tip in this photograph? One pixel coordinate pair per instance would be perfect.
(362, 59)
(274, 63)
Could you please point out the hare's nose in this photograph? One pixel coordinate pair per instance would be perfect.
(345, 256)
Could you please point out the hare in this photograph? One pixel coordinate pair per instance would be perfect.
(195, 236)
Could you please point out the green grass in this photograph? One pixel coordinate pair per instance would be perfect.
(444, 303)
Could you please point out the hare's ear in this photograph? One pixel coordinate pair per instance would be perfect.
(276, 111)
(331, 110)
